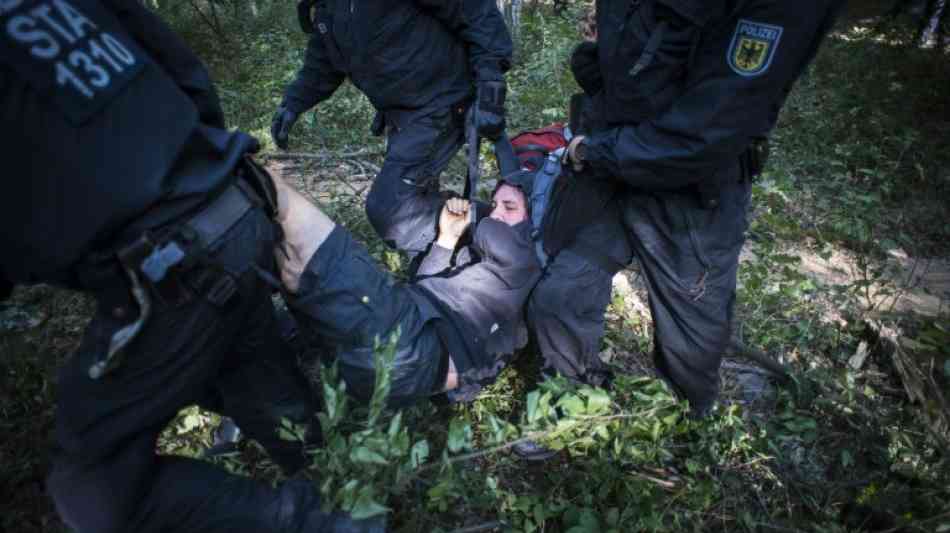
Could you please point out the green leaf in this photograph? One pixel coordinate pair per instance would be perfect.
(363, 454)
(365, 506)
(571, 405)
(460, 435)
(395, 424)
(598, 401)
(532, 406)
(846, 458)
(419, 453)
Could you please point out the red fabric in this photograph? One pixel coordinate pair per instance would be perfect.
(533, 146)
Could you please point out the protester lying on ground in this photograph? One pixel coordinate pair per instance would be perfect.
(457, 321)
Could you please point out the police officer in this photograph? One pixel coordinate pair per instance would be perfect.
(124, 183)
(681, 94)
(419, 62)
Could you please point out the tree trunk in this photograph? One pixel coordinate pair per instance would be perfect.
(511, 10)
(930, 30)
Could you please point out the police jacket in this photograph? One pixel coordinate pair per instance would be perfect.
(690, 83)
(109, 120)
(403, 54)
(480, 295)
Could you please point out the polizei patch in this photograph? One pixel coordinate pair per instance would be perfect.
(753, 47)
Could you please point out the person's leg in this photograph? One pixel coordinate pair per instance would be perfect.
(566, 314)
(566, 309)
(336, 292)
(106, 476)
(689, 258)
(400, 204)
(347, 300)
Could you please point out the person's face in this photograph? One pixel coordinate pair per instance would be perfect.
(508, 205)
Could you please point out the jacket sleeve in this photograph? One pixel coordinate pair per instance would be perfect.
(170, 52)
(316, 80)
(718, 114)
(479, 24)
(438, 260)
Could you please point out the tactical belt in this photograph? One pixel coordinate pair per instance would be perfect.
(169, 264)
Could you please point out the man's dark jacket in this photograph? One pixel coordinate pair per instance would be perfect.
(714, 79)
(405, 54)
(85, 158)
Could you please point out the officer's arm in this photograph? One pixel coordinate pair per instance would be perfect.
(713, 121)
(172, 54)
(316, 80)
(480, 25)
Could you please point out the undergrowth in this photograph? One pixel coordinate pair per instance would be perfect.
(859, 164)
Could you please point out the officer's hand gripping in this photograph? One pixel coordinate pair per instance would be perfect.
(575, 153)
(490, 109)
(281, 125)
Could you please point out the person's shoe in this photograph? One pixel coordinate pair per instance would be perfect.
(533, 452)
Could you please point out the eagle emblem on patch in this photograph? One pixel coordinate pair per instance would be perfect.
(753, 47)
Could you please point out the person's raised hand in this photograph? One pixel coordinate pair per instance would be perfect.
(453, 221)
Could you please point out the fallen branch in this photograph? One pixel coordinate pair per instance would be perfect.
(487, 526)
(918, 381)
(316, 156)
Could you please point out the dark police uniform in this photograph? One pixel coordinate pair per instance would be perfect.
(418, 62)
(468, 303)
(126, 185)
(681, 89)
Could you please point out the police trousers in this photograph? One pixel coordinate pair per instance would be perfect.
(225, 356)
(689, 257)
(420, 146)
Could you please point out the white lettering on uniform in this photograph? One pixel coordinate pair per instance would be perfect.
(758, 32)
(50, 28)
(42, 12)
(75, 19)
(21, 28)
(119, 49)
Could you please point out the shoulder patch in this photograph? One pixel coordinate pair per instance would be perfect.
(753, 47)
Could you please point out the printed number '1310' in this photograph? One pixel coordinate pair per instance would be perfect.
(88, 67)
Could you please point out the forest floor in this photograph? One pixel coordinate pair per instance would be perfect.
(845, 279)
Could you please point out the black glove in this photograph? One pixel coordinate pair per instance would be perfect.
(281, 125)
(490, 109)
(585, 66)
